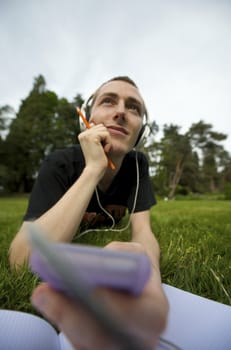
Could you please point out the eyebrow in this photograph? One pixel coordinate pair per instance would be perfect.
(128, 99)
(108, 94)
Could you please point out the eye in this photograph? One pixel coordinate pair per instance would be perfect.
(134, 107)
(107, 100)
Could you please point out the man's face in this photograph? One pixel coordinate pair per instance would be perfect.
(119, 106)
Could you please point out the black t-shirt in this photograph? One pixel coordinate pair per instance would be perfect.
(62, 168)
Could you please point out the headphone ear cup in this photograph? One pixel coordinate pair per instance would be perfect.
(85, 109)
(82, 126)
(144, 133)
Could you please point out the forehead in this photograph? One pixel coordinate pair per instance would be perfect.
(120, 88)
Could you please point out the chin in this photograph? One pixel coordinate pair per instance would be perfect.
(120, 150)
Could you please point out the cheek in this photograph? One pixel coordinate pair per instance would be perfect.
(96, 117)
(92, 119)
(92, 116)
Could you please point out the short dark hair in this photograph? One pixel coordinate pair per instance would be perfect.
(122, 78)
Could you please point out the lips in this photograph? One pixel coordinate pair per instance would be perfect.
(115, 129)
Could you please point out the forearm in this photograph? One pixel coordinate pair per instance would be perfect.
(62, 220)
(151, 247)
(141, 233)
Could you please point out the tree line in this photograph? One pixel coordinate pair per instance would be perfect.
(180, 163)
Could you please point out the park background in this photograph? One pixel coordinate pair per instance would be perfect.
(54, 54)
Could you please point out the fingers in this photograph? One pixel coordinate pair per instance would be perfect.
(126, 246)
(140, 315)
(96, 143)
(97, 134)
(70, 318)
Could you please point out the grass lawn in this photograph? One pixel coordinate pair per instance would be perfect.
(194, 237)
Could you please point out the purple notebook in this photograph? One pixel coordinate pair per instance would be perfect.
(64, 265)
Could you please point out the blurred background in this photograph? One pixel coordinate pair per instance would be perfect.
(55, 53)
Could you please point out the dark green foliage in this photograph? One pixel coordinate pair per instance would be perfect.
(194, 160)
(227, 191)
(44, 123)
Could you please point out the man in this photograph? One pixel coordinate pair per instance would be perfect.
(74, 182)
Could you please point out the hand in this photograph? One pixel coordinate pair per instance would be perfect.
(96, 143)
(143, 316)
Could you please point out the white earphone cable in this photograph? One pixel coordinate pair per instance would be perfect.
(112, 229)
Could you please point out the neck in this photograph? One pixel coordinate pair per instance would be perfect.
(109, 175)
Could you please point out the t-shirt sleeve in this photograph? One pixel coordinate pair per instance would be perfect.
(49, 186)
(145, 195)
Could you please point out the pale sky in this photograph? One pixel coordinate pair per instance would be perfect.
(177, 51)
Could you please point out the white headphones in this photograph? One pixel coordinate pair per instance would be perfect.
(143, 134)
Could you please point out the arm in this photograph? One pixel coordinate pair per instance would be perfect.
(61, 221)
(143, 240)
(142, 233)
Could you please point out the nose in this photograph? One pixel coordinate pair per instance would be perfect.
(120, 111)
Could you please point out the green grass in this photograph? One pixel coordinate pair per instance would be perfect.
(15, 288)
(195, 241)
(194, 237)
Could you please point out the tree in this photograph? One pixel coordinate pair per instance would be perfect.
(6, 116)
(206, 140)
(44, 123)
(191, 176)
(174, 151)
(193, 161)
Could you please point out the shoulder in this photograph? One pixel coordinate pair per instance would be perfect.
(133, 156)
(64, 156)
(136, 154)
